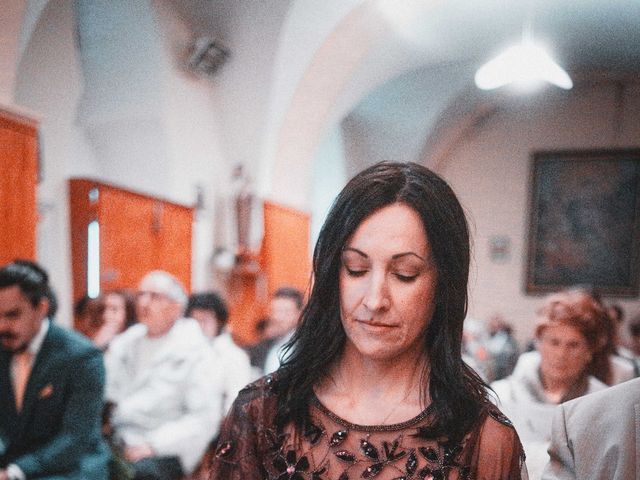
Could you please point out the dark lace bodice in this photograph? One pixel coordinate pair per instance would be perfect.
(330, 448)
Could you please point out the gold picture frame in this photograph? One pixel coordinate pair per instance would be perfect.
(584, 221)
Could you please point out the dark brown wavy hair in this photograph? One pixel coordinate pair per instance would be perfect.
(457, 392)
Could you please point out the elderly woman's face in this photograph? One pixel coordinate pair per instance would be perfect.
(387, 284)
(564, 353)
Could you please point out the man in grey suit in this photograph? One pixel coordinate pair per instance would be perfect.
(597, 436)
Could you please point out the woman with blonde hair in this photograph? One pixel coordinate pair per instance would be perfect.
(570, 336)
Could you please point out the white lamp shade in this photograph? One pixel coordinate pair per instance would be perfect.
(522, 64)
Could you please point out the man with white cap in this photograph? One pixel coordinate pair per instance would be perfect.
(161, 380)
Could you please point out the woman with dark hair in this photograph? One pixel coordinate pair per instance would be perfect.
(117, 312)
(373, 384)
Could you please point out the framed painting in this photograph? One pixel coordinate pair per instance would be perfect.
(584, 223)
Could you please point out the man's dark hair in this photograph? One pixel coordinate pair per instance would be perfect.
(81, 306)
(457, 393)
(53, 304)
(211, 301)
(32, 280)
(291, 293)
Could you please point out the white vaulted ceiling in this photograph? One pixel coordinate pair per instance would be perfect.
(397, 74)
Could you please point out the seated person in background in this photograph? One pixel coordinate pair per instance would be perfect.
(51, 387)
(634, 343)
(117, 312)
(569, 333)
(597, 436)
(87, 316)
(162, 379)
(610, 367)
(259, 350)
(474, 347)
(616, 314)
(210, 311)
(502, 347)
(284, 312)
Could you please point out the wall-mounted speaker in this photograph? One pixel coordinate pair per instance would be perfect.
(206, 56)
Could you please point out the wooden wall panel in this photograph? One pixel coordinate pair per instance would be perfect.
(127, 238)
(176, 228)
(138, 233)
(285, 250)
(284, 260)
(18, 182)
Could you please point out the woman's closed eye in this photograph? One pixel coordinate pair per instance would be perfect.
(406, 277)
(355, 271)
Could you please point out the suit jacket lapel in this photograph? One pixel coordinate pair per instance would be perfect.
(7, 398)
(636, 408)
(39, 372)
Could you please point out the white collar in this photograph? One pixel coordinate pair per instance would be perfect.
(36, 342)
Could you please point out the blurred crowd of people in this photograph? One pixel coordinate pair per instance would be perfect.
(172, 370)
(577, 349)
(164, 365)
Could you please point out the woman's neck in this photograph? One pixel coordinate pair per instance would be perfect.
(555, 389)
(370, 392)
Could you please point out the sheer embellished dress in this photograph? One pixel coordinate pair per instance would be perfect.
(330, 448)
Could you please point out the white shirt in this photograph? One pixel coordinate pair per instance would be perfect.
(34, 346)
(165, 390)
(236, 368)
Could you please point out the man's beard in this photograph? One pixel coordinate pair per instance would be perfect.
(5, 337)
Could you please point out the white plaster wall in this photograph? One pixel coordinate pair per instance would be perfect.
(490, 173)
(125, 68)
(244, 85)
(307, 26)
(49, 82)
(13, 12)
(329, 176)
(194, 141)
(309, 113)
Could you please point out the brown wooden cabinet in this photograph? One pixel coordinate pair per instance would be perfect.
(137, 234)
(18, 182)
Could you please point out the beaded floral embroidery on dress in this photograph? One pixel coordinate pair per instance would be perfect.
(330, 448)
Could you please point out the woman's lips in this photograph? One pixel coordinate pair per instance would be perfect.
(377, 325)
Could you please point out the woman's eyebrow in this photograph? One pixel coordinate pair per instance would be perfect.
(355, 250)
(405, 254)
(393, 257)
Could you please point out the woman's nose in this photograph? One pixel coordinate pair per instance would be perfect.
(377, 294)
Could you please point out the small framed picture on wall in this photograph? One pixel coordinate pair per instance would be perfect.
(584, 221)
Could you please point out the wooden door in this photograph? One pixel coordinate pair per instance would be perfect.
(18, 181)
(138, 233)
